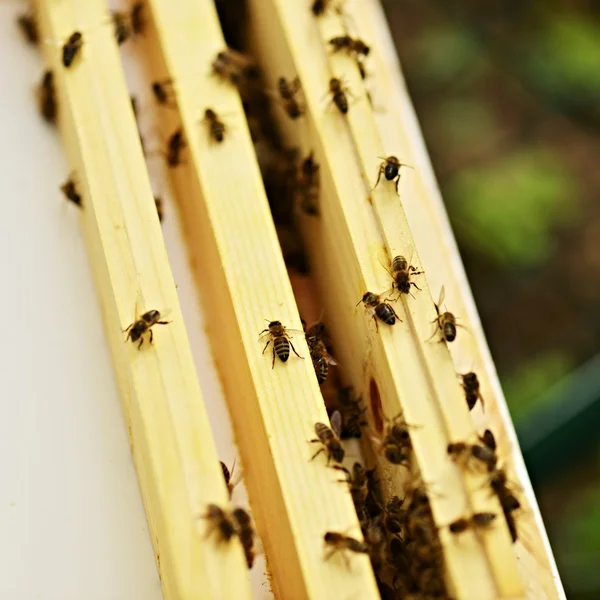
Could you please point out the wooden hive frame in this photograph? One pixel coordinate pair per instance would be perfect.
(243, 280)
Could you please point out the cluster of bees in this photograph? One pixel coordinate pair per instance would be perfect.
(399, 535)
(126, 26)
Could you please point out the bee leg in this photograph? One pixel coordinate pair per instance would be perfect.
(124, 330)
(274, 354)
(381, 170)
(266, 346)
(163, 322)
(294, 349)
(331, 552)
(395, 314)
(141, 342)
(318, 451)
(376, 323)
(151, 336)
(413, 283)
(397, 184)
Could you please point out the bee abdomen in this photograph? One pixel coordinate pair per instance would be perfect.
(385, 314)
(282, 348)
(321, 369)
(449, 332)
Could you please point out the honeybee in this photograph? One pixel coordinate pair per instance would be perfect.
(287, 93)
(308, 187)
(143, 325)
(338, 94)
(122, 29)
(470, 384)
(71, 48)
(220, 522)
(47, 98)
(358, 482)
(245, 532)
(401, 274)
(233, 66)
(28, 25)
(280, 338)
(163, 92)
(138, 19)
(464, 453)
(215, 126)
(352, 412)
(508, 500)
(446, 321)
(321, 359)
(396, 444)
(353, 46)
(390, 167)
(395, 515)
(477, 521)
(175, 146)
(329, 438)
(339, 542)
(69, 189)
(378, 309)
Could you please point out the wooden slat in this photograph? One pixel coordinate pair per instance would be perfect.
(170, 437)
(243, 281)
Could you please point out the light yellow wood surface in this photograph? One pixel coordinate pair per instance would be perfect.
(178, 468)
(242, 282)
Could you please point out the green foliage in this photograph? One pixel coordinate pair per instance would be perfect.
(565, 55)
(446, 53)
(460, 121)
(509, 209)
(524, 388)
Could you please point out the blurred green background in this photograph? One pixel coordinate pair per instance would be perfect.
(508, 96)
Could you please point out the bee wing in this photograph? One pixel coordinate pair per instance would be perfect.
(331, 360)
(442, 296)
(336, 422)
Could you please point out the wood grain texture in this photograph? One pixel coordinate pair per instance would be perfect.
(170, 437)
(243, 282)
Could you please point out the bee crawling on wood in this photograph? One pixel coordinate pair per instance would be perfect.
(233, 66)
(144, 324)
(71, 48)
(69, 189)
(354, 46)
(339, 542)
(338, 91)
(390, 167)
(175, 146)
(396, 444)
(121, 26)
(308, 188)
(481, 520)
(401, 274)
(279, 336)
(321, 359)
(446, 321)
(358, 482)
(470, 384)
(163, 92)
(379, 309)
(508, 500)
(28, 25)
(467, 454)
(219, 522)
(48, 104)
(352, 414)
(287, 94)
(216, 127)
(329, 438)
